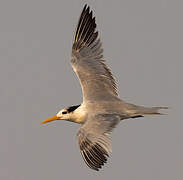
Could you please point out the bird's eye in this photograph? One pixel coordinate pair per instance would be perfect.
(64, 112)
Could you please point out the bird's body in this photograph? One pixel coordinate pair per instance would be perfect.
(101, 109)
(116, 107)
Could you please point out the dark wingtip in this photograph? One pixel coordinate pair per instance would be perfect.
(93, 154)
(85, 6)
(85, 32)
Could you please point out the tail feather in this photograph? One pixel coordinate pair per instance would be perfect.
(150, 110)
(158, 109)
(135, 110)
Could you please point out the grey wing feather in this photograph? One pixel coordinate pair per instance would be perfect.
(94, 141)
(87, 61)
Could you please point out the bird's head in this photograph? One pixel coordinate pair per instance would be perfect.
(63, 114)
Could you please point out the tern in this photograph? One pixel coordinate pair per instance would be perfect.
(101, 109)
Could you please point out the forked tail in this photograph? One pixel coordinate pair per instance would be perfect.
(135, 110)
(151, 110)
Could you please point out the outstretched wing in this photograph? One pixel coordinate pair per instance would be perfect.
(96, 79)
(94, 141)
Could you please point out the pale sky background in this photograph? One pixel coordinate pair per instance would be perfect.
(143, 45)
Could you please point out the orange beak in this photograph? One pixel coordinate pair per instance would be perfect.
(50, 119)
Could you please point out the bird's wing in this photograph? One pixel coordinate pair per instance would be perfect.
(94, 141)
(87, 60)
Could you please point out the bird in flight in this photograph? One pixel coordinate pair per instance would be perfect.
(101, 109)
